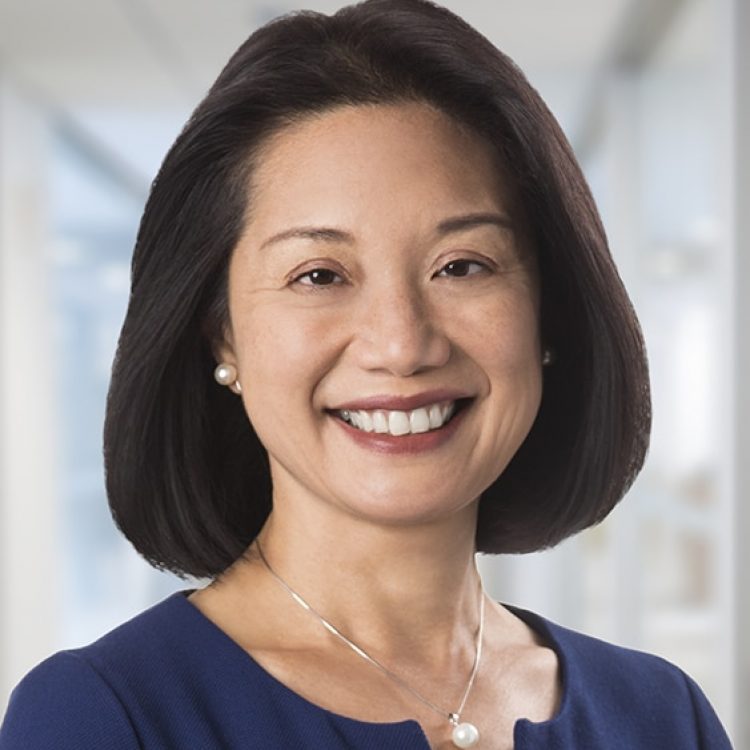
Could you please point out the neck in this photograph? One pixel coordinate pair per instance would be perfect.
(413, 591)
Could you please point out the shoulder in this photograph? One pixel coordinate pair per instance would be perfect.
(64, 703)
(598, 660)
(84, 698)
(610, 688)
(621, 671)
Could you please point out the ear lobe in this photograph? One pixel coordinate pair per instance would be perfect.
(225, 374)
(223, 353)
(223, 349)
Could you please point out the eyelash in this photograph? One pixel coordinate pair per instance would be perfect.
(307, 274)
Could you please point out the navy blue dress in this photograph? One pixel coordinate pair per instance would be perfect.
(170, 679)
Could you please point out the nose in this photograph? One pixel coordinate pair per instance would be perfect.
(398, 332)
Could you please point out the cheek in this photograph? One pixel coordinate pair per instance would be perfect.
(280, 348)
(281, 360)
(505, 346)
(502, 334)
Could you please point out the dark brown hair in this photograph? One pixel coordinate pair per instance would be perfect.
(187, 477)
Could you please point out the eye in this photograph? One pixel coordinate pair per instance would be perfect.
(318, 277)
(463, 268)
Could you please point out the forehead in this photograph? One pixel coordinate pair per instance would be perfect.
(391, 156)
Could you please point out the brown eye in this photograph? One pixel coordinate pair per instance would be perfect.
(463, 268)
(318, 277)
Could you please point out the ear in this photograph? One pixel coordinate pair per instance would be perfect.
(223, 349)
(224, 353)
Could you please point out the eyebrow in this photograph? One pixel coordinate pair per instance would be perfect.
(448, 226)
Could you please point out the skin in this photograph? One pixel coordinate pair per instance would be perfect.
(383, 545)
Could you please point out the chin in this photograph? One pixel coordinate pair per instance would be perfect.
(391, 509)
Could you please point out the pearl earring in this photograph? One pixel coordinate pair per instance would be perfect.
(548, 356)
(226, 374)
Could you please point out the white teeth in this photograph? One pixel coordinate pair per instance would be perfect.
(419, 420)
(367, 422)
(400, 423)
(380, 421)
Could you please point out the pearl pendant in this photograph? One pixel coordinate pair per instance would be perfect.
(465, 735)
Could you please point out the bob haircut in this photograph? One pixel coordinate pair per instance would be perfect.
(187, 478)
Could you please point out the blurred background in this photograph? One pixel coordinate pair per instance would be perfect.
(655, 98)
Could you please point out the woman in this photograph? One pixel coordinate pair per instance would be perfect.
(374, 236)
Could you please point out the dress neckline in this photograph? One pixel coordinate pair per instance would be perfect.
(541, 626)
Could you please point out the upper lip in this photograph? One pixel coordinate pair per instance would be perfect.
(402, 403)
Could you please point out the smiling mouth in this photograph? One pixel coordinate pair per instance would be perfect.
(401, 423)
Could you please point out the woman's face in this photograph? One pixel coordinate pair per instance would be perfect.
(380, 276)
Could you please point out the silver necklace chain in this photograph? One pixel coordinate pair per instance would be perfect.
(452, 716)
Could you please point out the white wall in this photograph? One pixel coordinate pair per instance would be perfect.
(29, 508)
